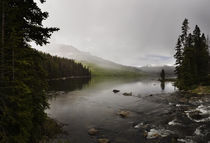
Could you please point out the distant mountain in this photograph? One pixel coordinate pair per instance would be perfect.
(155, 70)
(97, 65)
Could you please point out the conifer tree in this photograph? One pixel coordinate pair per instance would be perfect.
(23, 85)
(192, 68)
(203, 59)
(178, 57)
(181, 43)
(188, 73)
(162, 75)
(185, 29)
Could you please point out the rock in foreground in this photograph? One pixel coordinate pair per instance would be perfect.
(92, 131)
(104, 140)
(153, 133)
(124, 114)
(127, 94)
(116, 91)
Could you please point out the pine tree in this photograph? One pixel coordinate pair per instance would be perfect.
(162, 75)
(179, 58)
(181, 43)
(203, 59)
(188, 73)
(191, 64)
(185, 29)
(23, 85)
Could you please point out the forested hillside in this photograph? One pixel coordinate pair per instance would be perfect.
(57, 67)
(97, 65)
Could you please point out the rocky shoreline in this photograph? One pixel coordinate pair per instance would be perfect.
(123, 115)
(187, 120)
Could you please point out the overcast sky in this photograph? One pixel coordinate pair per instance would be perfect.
(129, 32)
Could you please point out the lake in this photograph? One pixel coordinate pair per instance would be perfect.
(157, 112)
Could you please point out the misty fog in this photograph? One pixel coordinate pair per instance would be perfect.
(129, 32)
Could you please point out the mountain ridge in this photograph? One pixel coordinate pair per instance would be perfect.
(98, 65)
(103, 67)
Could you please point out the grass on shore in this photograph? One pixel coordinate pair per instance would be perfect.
(201, 90)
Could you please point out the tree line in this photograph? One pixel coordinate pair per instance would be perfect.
(24, 71)
(192, 58)
(58, 67)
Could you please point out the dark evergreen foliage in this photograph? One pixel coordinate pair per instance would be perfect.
(191, 58)
(162, 75)
(24, 71)
(178, 56)
(57, 67)
(23, 79)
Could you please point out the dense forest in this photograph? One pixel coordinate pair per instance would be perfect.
(24, 71)
(57, 67)
(192, 58)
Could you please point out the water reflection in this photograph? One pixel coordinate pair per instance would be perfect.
(86, 104)
(91, 103)
(68, 85)
(162, 85)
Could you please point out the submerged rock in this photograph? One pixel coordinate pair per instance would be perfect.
(127, 94)
(200, 114)
(195, 115)
(139, 125)
(92, 131)
(174, 122)
(103, 140)
(153, 133)
(198, 132)
(116, 91)
(124, 114)
(183, 100)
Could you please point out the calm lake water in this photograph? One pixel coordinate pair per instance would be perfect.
(154, 113)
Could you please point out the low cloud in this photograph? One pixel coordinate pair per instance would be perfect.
(130, 32)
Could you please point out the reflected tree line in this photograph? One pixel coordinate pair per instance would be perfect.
(68, 85)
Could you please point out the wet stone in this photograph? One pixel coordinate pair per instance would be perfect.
(127, 94)
(103, 140)
(183, 100)
(124, 114)
(137, 126)
(92, 131)
(116, 91)
(195, 115)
